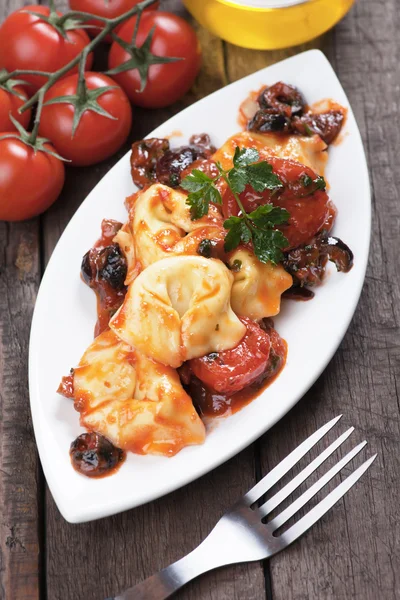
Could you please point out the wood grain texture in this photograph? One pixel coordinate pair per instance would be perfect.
(21, 479)
(354, 552)
(20, 482)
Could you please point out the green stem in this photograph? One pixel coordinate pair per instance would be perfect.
(136, 27)
(52, 6)
(21, 72)
(81, 88)
(110, 24)
(78, 14)
(33, 136)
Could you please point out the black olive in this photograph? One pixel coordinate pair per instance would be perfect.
(326, 125)
(94, 455)
(170, 166)
(338, 252)
(296, 292)
(144, 156)
(282, 97)
(269, 119)
(202, 144)
(114, 267)
(86, 268)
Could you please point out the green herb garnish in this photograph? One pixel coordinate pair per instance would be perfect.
(205, 248)
(236, 265)
(202, 191)
(318, 183)
(256, 227)
(306, 180)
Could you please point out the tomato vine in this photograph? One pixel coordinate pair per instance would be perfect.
(63, 23)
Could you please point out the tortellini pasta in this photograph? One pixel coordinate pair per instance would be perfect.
(160, 220)
(124, 239)
(137, 404)
(257, 287)
(310, 151)
(178, 309)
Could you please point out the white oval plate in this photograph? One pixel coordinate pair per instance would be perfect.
(65, 310)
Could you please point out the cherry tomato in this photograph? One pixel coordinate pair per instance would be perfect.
(232, 370)
(309, 207)
(10, 103)
(29, 181)
(166, 83)
(27, 42)
(107, 9)
(97, 137)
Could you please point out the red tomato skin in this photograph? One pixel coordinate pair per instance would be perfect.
(26, 42)
(308, 213)
(109, 10)
(10, 103)
(97, 137)
(233, 370)
(29, 182)
(166, 83)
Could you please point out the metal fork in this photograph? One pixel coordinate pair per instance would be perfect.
(241, 536)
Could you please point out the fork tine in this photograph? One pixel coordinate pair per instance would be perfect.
(287, 463)
(322, 507)
(314, 489)
(280, 496)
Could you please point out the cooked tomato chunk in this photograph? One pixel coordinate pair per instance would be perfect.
(232, 370)
(303, 195)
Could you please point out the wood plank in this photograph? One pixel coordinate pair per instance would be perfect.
(109, 555)
(21, 483)
(21, 479)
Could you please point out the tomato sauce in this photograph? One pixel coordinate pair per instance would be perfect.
(66, 387)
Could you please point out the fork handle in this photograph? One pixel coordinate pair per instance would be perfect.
(167, 581)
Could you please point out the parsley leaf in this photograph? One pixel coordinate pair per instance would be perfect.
(320, 183)
(245, 156)
(261, 177)
(239, 231)
(306, 180)
(202, 191)
(257, 227)
(246, 171)
(238, 179)
(268, 244)
(196, 181)
(268, 215)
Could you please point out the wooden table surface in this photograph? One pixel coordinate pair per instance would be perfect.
(354, 552)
